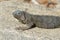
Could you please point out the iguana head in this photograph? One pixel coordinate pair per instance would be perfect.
(20, 15)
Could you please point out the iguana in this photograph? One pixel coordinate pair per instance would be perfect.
(41, 21)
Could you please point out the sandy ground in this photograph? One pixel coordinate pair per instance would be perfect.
(8, 23)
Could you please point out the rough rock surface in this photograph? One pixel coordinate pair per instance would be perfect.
(8, 23)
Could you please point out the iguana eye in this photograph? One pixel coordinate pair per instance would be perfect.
(18, 13)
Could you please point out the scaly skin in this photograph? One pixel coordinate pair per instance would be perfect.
(40, 21)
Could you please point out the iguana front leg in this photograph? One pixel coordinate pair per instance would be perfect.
(25, 26)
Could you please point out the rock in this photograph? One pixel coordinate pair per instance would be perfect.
(8, 23)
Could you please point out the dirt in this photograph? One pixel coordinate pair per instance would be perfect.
(8, 23)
